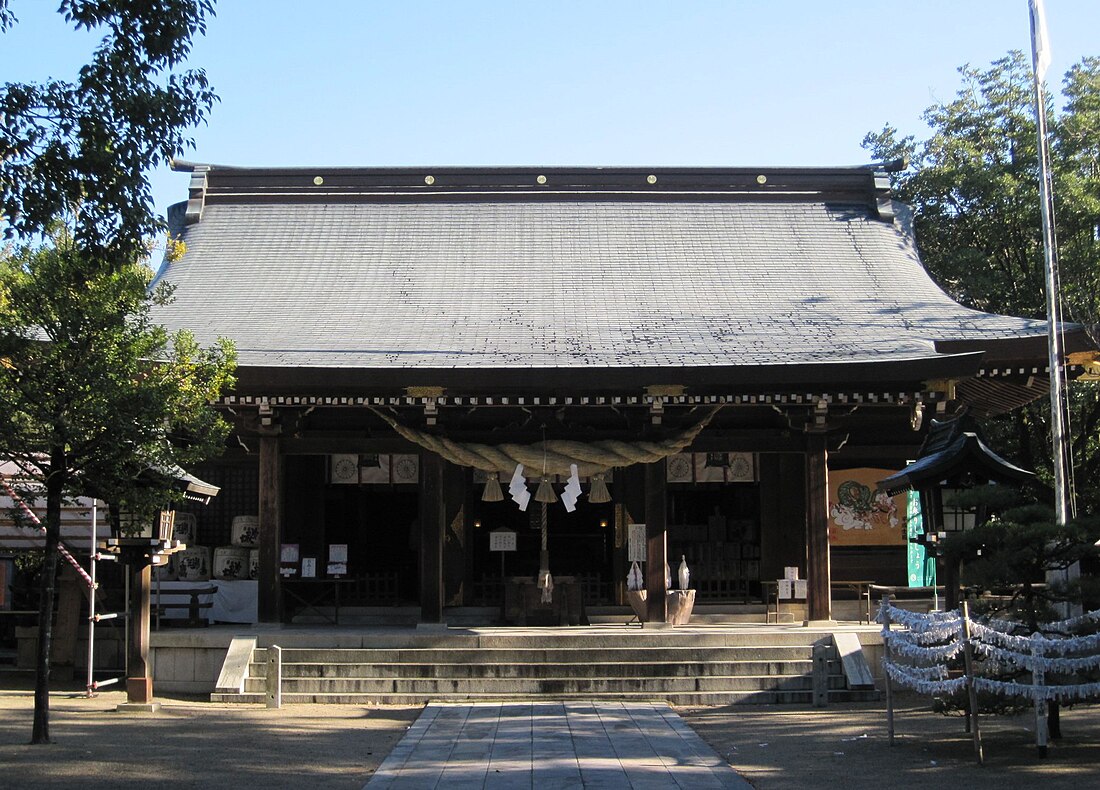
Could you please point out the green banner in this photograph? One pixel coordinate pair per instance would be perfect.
(922, 568)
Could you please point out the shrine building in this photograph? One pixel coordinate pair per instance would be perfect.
(729, 356)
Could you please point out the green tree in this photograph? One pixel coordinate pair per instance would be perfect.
(82, 148)
(973, 186)
(94, 394)
(1017, 557)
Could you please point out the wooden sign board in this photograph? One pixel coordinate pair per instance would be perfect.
(502, 540)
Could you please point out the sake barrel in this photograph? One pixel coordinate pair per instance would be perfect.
(193, 564)
(246, 531)
(186, 530)
(253, 563)
(230, 563)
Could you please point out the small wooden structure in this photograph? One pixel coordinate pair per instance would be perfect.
(953, 456)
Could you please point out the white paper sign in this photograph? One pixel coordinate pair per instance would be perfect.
(790, 572)
(309, 567)
(338, 552)
(636, 545)
(518, 488)
(785, 589)
(502, 540)
(572, 490)
(800, 589)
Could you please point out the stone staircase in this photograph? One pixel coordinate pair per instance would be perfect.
(678, 666)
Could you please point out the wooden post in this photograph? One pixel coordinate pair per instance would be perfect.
(456, 488)
(818, 593)
(270, 512)
(432, 520)
(139, 680)
(656, 543)
(885, 671)
(1038, 679)
(968, 659)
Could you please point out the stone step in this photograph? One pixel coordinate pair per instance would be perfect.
(480, 615)
(436, 688)
(579, 637)
(687, 666)
(557, 669)
(573, 655)
(685, 700)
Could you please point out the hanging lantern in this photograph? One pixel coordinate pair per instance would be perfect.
(493, 492)
(546, 491)
(597, 491)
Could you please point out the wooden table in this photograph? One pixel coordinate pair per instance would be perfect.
(893, 590)
(771, 593)
(862, 589)
(312, 594)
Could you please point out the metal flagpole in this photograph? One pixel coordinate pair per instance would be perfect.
(90, 688)
(1040, 58)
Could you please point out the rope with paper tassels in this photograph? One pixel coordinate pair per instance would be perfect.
(591, 458)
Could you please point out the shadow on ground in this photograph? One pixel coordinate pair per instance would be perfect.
(786, 747)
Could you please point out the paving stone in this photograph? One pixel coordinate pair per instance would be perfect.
(553, 746)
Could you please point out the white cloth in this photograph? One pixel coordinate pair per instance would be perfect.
(233, 602)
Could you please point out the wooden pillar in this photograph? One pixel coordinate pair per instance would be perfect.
(656, 542)
(433, 524)
(139, 680)
(455, 490)
(818, 597)
(270, 511)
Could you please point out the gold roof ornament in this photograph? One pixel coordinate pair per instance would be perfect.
(1089, 360)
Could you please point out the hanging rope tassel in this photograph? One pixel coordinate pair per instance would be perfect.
(493, 492)
(597, 491)
(545, 492)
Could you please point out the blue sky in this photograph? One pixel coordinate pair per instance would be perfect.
(608, 82)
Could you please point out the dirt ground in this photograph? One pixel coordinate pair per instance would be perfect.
(847, 746)
(194, 744)
(197, 744)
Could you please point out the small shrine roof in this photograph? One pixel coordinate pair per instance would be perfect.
(949, 452)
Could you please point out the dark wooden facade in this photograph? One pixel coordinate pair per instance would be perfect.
(788, 502)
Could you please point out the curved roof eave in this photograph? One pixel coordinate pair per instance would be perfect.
(812, 377)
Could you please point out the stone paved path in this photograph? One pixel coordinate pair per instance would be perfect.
(553, 746)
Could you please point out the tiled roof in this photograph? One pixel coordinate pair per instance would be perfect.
(578, 281)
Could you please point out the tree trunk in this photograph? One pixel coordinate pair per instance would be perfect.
(40, 732)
